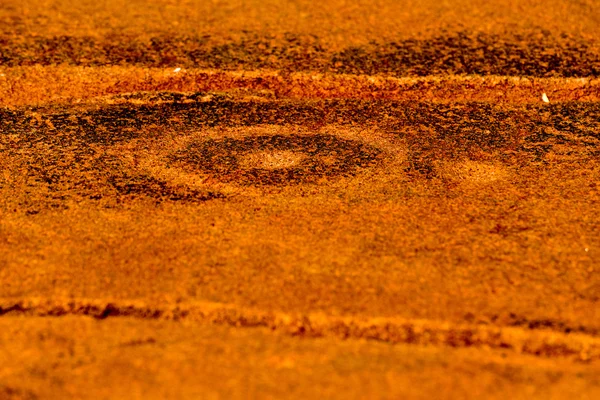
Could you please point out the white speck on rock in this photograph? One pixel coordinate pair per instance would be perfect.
(545, 98)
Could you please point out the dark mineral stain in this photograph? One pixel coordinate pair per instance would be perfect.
(65, 166)
(11, 393)
(221, 158)
(529, 53)
(480, 122)
(534, 53)
(65, 149)
(160, 190)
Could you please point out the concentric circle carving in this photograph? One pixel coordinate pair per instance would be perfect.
(277, 159)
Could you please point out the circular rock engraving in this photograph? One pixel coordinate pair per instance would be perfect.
(277, 159)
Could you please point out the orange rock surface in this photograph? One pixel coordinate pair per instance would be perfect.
(276, 199)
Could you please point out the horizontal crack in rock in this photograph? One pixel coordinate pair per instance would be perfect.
(544, 343)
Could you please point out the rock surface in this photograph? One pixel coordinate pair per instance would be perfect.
(273, 199)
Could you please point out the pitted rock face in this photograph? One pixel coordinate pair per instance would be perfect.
(277, 159)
